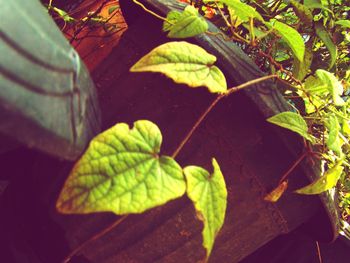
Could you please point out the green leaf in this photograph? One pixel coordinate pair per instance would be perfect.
(294, 122)
(112, 9)
(334, 142)
(323, 34)
(334, 86)
(301, 68)
(209, 196)
(325, 182)
(243, 11)
(316, 4)
(315, 86)
(64, 15)
(184, 63)
(343, 23)
(186, 24)
(291, 37)
(303, 12)
(171, 19)
(122, 172)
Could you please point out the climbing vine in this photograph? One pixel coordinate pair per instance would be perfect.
(123, 170)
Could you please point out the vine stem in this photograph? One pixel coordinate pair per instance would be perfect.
(212, 105)
(178, 149)
(149, 11)
(318, 252)
(291, 169)
(93, 238)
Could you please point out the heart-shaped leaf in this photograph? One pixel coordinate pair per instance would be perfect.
(291, 37)
(294, 122)
(184, 63)
(186, 24)
(325, 182)
(122, 172)
(209, 196)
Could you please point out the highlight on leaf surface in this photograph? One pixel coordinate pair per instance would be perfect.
(209, 196)
(294, 122)
(290, 36)
(276, 193)
(184, 63)
(335, 88)
(243, 11)
(187, 23)
(325, 182)
(122, 172)
(334, 141)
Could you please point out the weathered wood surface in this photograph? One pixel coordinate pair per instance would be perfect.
(47, 99)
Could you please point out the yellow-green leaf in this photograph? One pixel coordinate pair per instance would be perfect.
(186, 24)
(323, 34)
(325, 182)
(209, 196)
(334, 85)
(301, 68)
(343, 23)
(243, 11)
(171, 19)
(122, 172)
(294, 122)
(334, 142)
(184, 63)
(291, 37)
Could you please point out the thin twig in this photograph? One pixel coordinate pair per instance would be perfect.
(149, 11)
(318, 252)
(93, 238)
(98, 10)
(195, 126)
(291, 169)
(212, 105)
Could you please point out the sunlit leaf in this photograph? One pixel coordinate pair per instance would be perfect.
(315, 86)
(209, 196)
(171, 19)
(243, 11)
(333, 84)
(184, 63)
(301, 68)
(291, 37)
(325, 182)
(313, 4)
(122, 172)
(186, 24)
(294, 122)
(343, 23)
(64, 15)
(334, 142)
(276, 193)
(323, 34)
